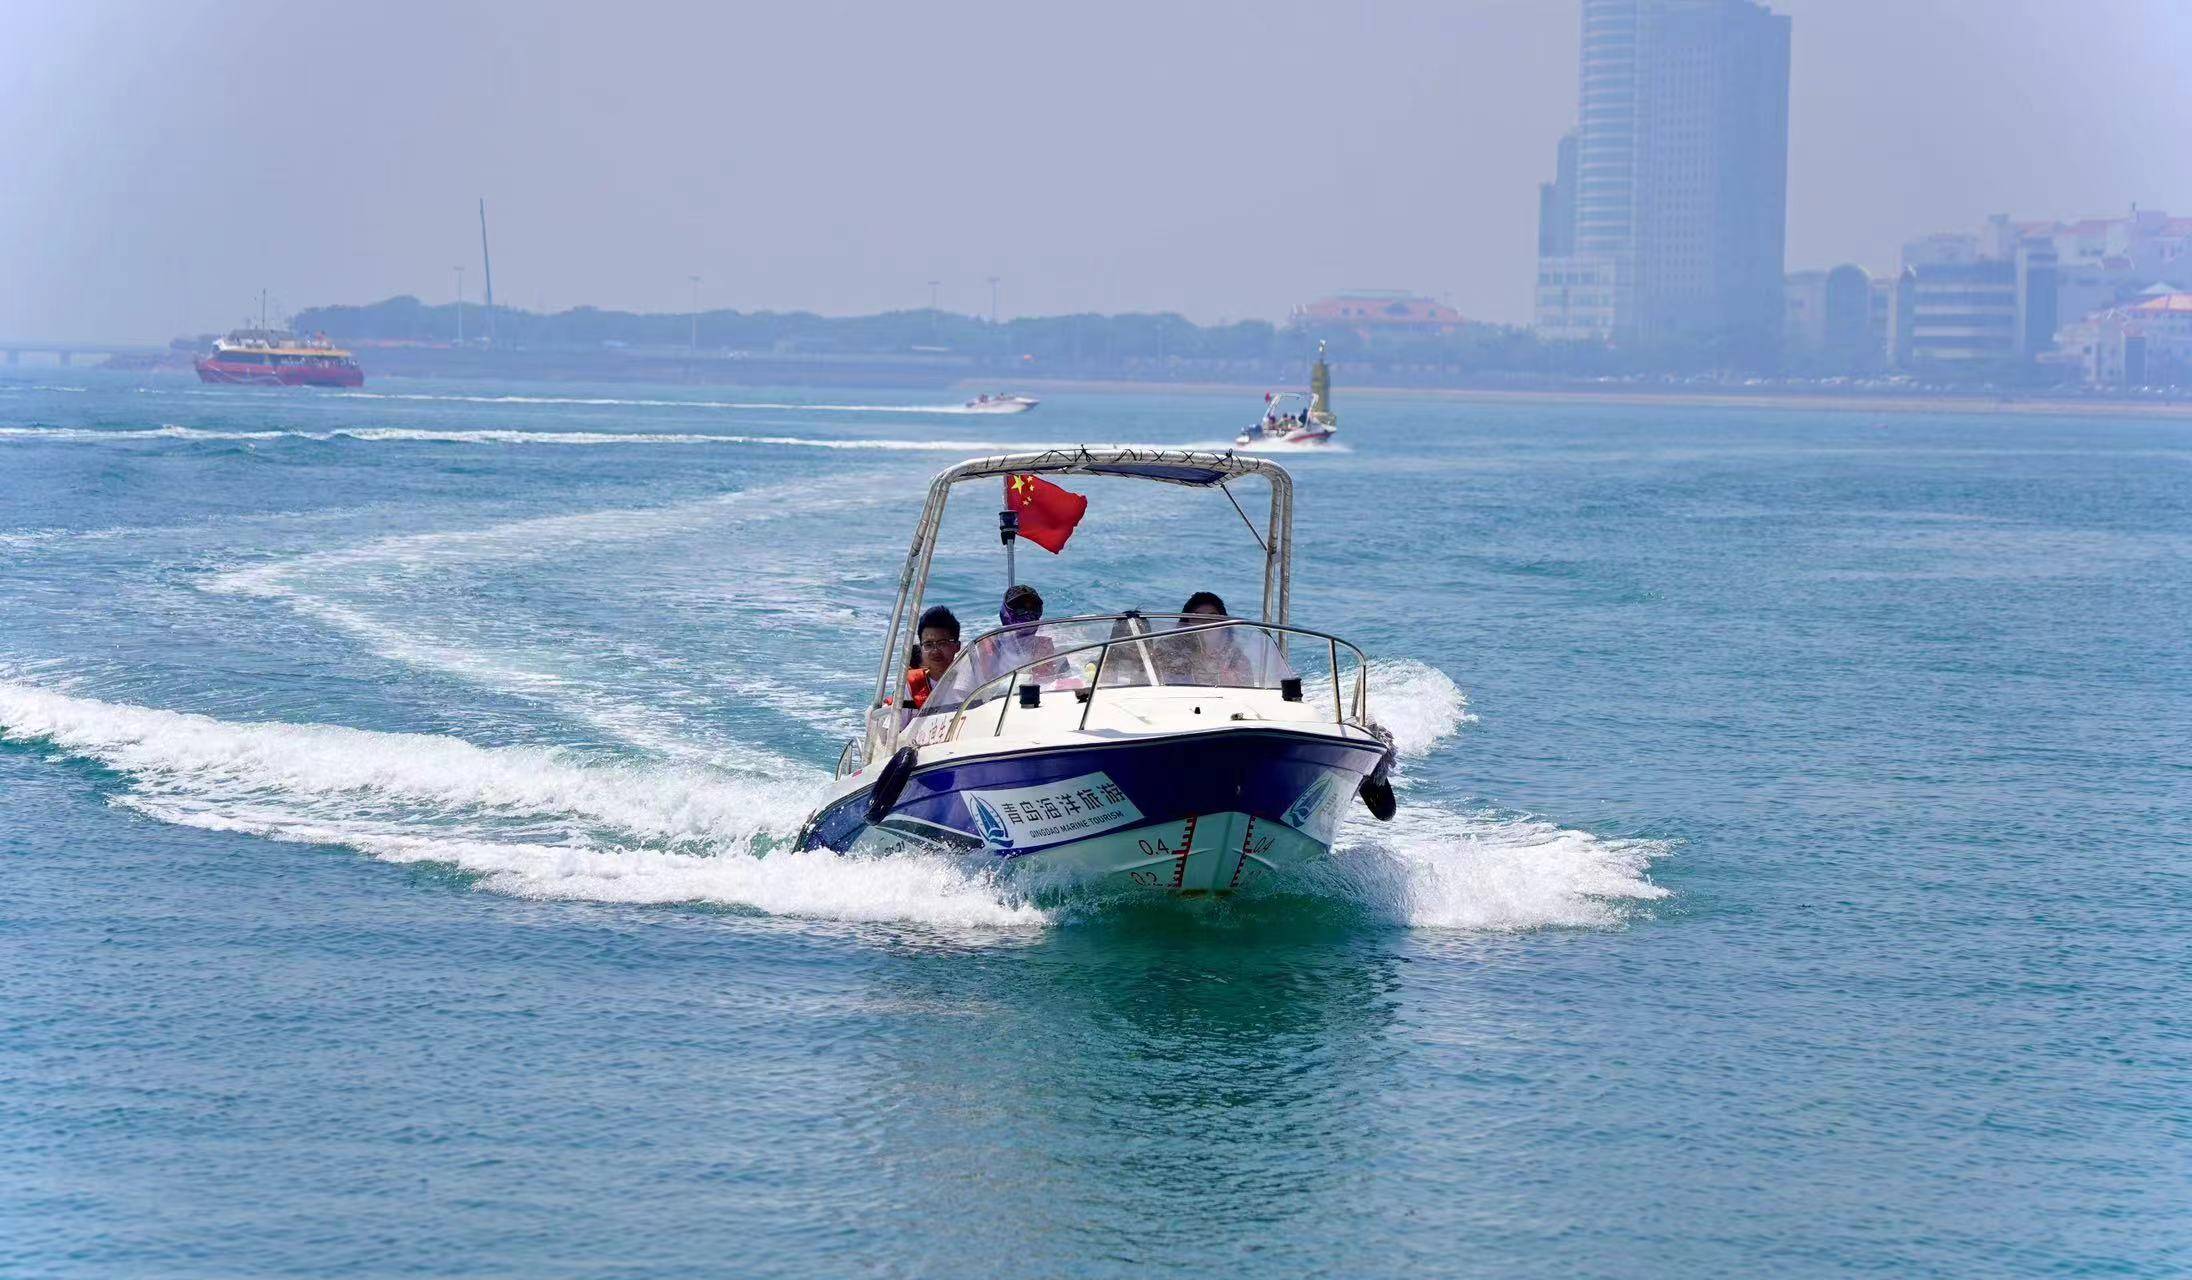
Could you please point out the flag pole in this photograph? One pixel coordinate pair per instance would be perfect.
(1008, 532)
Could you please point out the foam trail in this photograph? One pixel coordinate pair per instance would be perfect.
(532, 822)
(410, 641)
(192, 758)
(605, 401)
(547, 823)
(505, 436)
(531, 537)
(1269, 446)
(1432, 868)
(216, 524)
(1418, 703)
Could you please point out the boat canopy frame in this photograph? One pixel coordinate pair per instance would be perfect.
(1190, 468)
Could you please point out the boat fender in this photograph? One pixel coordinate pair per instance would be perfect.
(1377, 789)
(1377, 797)
(890, 783)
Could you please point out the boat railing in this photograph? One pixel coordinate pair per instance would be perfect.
(1141, 640)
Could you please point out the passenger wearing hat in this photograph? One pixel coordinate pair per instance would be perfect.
(1022, 641)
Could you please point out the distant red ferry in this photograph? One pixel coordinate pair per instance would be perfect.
(272, 357)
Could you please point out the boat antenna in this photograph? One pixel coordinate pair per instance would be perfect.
(487, 267)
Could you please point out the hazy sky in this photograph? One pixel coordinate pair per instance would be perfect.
(164, 160)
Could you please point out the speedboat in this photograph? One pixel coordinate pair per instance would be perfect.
(1158, 753)
(1000, 404)
(1287, 419)
(1291, 418)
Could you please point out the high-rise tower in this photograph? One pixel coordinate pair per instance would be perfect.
(1679, 185)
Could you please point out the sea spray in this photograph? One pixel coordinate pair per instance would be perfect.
(550, 823)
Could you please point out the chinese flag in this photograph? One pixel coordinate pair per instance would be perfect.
(1048, 513)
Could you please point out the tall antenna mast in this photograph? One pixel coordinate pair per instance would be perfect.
(487, 266)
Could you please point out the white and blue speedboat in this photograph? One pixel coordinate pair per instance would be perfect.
(1167, 752)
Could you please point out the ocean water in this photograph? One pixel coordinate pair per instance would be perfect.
(1791, 876)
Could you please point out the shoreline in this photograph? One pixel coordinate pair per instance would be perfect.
(1915, 402)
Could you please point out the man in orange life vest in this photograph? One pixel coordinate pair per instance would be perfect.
(935, 645)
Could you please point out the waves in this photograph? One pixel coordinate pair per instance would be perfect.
(1438, 867)
(511, 436)
(620, 403)
(680, 801)
(372, 592)
(531, 822)
(1417, 703)
(551, 823)
(1433, 867)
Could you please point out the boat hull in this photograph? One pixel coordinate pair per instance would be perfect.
(232, 374)
(1191, 813)
(1306, 436)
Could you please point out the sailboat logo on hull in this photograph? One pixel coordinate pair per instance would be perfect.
(992, 823)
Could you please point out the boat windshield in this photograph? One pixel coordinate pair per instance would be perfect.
(1195, 652)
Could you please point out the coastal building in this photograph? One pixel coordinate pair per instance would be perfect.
(1556, 204)
(1829, 315)
(2144, 343)
(1575, 298)
(1370, 313)
(2106, 262)
(1966, 300)
(1880, 315)
(1676, 179)
(1953, 304)
(2021, 291)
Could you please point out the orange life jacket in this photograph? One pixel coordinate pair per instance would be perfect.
(918, 687)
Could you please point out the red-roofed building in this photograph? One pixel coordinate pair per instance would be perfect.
(1370, 312)
(2145, 343)
(2100, 262)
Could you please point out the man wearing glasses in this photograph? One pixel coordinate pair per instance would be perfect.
(935, 645)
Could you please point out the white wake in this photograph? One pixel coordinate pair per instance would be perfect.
(549, 823)
(511, 436)
(613, 402)
(532, 822)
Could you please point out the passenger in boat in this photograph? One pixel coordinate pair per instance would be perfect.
(1213, 658)
(1021, 642)
(935, 645)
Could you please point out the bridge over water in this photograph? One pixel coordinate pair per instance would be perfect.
(66, 353)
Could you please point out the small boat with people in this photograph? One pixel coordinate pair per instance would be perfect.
(1168, 752)
(986, 403)
(1295, 418)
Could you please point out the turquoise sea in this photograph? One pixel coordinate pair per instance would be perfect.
(1791, 876)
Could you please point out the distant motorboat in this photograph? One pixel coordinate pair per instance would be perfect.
(1001, 404)
(1293, 418)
